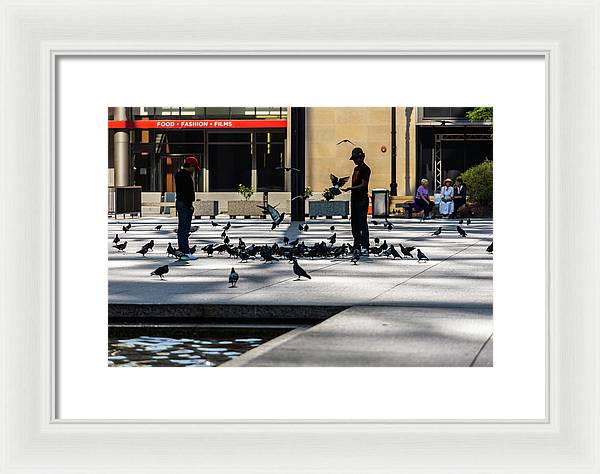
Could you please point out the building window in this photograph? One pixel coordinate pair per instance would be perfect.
(436, 113)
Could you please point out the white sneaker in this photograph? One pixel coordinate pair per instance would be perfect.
(191, 256)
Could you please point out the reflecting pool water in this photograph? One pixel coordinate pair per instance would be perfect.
(183, 346)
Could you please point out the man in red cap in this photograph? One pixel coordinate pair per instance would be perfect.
(184, 187)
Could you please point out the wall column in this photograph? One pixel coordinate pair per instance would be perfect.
(121, 149)
(298, 161)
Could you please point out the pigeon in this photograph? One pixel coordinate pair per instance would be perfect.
(178, 254)
(294, 242)
(116, 239)
(194, 229)
(208, 249)
(421, 255)
(244, 256)
(468, 221)
(438, 231)
(241, 243)
(150, 245)
(384, 245)
(300, 227)
(286, 240)
(345, 141)
(490, 248)
(128, 226)
(226, 239)
(125, 229)
(375, 222)
(160, 271)
(332, 228)
(298, 270)
(158, 227)
(337, 184)
(276, 216)
(192, 250)
(223, 234)
(269, 258)
(355, 256)
(214, 224)
(460, 221)
(394, 253)
(376, 240)
(143, 251)
(120, 247)
(221, 248)
(286, 168)
(333, 238)
(233, 277)
(170, 249)
(305, 228)
(389, 226)
(407, 251)
(461, 231)
(227, 226)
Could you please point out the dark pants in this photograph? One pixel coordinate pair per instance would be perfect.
(360, 229)
(458, 203)
(425, 206)
(184, 216)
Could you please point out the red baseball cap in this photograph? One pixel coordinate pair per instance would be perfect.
(191, 160)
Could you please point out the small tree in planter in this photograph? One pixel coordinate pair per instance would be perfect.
(307, 193)
(328, 195)
(245, 191)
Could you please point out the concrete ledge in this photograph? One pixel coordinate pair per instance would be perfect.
(156, 314)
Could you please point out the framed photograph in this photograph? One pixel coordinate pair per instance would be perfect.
(264, 321)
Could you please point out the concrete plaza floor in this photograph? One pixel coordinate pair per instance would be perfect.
(402, 312)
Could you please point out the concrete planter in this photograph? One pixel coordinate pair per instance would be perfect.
(206, 208)
(244, 208)
(328, 209)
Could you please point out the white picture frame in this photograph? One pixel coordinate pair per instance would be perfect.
(34, 35)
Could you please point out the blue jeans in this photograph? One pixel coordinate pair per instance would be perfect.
(184, 216)
(358, 220)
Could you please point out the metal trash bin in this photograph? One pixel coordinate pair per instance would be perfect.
(380, 203)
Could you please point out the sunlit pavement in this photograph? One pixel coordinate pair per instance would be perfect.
(399, 307)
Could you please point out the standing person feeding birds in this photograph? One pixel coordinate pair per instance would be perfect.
(360, 201)
(185, 197)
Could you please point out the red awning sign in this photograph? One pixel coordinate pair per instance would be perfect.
(220, 124)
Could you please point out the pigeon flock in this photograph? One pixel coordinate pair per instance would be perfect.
(290, 251)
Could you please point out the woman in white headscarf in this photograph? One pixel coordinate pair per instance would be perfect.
(447, 198)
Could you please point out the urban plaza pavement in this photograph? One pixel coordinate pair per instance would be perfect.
(400, 312)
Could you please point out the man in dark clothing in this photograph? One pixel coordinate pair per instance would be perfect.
(359, 201)
(184, 203)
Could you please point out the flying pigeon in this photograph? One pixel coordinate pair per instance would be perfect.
(345, 141)
(160, 271)
(298, 270)
(286, 168)
(490, 248)
(337, 184)
(116, 239)
(461, 231)
(438, 231)
(158, 227)
(120, 247)
(233, 277)
(421, 255)
(128, 226)
(125, 229)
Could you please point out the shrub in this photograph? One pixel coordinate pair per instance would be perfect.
(245, 191)
(327, 194)
(307, 192)
(482, 114)
(480, 183)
